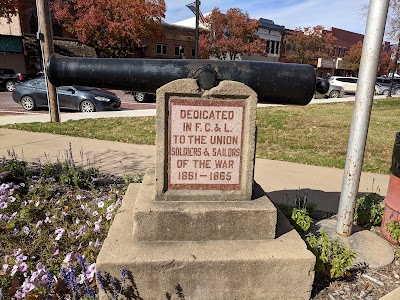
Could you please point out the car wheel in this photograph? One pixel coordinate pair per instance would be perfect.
(87, 106)
(334, 94)
(397, 91)
(385, 92)
(140, 97)
(28, 103)
(10, 85)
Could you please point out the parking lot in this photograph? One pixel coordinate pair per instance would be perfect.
(9, 108)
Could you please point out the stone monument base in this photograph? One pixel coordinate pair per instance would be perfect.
(163, 256)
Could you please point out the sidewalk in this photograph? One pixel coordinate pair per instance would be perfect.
(283, 181)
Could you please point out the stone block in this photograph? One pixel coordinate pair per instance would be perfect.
(201, 220)
(224, 143)
(280, 268)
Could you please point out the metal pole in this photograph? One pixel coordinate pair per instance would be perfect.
(196, 49)
(46, 44)
(363, 102)
(396, 57)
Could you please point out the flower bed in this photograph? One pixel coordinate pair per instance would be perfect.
(52, 225)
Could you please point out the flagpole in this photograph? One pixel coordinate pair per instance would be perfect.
(196, 49)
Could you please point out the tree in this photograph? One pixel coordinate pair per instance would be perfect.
(228, 35)
(9, 8)
(309, 44)
(117, 27)
(353, 58)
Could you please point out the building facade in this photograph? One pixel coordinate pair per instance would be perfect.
(335, 62)
(272, 34)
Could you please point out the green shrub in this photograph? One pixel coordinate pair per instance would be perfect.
(301, 220)
(332, 256)
(369, 210)
(394, 229)
(16, 167)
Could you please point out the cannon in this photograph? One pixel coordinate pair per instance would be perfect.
(277, 83)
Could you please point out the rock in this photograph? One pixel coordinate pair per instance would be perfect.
(6, 177)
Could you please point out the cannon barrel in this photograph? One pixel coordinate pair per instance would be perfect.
(279, 83)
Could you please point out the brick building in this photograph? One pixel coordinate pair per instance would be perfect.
(335, 64)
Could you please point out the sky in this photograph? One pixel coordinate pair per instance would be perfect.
(343, 14)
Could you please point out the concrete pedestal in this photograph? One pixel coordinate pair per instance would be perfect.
(212, 250)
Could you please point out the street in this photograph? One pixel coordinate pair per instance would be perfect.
(9, 108)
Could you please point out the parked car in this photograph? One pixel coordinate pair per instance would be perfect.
(7, 79)
(386, 81)
(142, 97)
(381, 89)
(349, 84)
(334, 91)
(33, 93)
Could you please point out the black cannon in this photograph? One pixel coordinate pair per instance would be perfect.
(279, 83)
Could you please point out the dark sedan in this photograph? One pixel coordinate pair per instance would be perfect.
(33, 93)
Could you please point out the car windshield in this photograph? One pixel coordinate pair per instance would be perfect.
(84, 88)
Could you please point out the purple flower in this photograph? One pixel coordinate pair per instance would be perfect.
(101, 280)
(40, 267)
(44, 280)
(97, 244)
(23, 267)
(34, 275)
(68, 257)
(108, 216)
(100, 204)
(26, 230)
(81, 278)
(59, 232)
(19, 295)
(11, 199)
(14, 270)
(56, 252)
(90, 272)
(110, 208)
(47, 220)
(39, 223)
(24, 203)
(78, 197)
(96, 227)
(123, 275)
(21, 257)
(95, 213)
(27, 287)
(5, 267)
(3, 205)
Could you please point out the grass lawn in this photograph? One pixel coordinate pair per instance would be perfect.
(315, 134)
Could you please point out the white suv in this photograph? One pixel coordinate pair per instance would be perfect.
(349, 84)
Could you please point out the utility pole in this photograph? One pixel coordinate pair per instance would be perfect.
(45, 36)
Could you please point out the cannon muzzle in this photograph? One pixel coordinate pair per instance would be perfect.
(279, 83)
